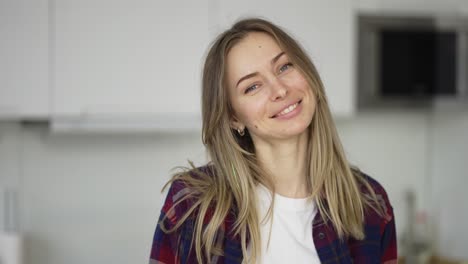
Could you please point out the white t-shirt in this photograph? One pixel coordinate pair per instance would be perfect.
(291, 238)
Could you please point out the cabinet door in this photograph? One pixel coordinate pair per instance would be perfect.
(128, 57)
(24, 62)
(463, 8)
(409, 7)
(324, 28)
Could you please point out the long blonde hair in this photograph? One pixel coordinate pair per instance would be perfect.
(334, 185)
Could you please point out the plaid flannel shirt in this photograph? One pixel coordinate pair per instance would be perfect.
(378, 246)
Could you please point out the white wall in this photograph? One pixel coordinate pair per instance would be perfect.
(449, 166)
(95, 198)
(392, 148)
(10, 167)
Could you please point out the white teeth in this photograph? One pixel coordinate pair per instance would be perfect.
(287, 110)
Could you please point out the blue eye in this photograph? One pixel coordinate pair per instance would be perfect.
(285, 67)
(250, 88)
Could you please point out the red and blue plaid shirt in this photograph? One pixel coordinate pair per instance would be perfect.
(378, 246)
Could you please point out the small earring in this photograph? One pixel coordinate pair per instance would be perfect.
(241, 132)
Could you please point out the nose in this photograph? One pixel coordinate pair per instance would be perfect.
(278, 90)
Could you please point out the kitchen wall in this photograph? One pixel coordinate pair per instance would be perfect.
(449, 181)
(95, 198)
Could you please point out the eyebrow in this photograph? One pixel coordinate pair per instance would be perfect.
(273, 61)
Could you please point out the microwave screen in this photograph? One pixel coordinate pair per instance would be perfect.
(417, 63)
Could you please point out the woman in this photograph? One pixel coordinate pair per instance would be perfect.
(278, 188)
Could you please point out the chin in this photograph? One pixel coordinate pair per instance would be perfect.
(294, 130)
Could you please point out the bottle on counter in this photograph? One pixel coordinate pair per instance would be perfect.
(11, 241)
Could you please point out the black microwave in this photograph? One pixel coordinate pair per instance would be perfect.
(411, 60)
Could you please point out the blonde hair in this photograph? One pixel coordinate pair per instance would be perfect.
(333, 184)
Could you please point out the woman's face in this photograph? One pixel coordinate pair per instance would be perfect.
(270, 97)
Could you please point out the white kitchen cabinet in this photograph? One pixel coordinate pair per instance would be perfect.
(411, 7)
(128, 60)
(324, 28)
(24, 59)
(463, 8)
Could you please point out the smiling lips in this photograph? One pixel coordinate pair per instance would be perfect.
(287, 109)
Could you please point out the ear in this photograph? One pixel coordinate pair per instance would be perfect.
(236, 124)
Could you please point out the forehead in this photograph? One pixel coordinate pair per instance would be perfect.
(247, 56)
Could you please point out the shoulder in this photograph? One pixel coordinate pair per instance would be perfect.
(172, 235)
(181, 183)
(381, 196)
(181, 194)
(379, 228)
(376, 186)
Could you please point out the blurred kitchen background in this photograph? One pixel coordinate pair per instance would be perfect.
(99, 100)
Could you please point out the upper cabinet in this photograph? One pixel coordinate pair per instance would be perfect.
(128, 58)
(77, 60)
(424, 7)
(24, 59)
(144, 58)
(324, 28)
(463, 8)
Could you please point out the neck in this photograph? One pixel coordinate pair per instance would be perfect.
(285, 161)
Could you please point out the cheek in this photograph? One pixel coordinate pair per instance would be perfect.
(252, 111)
(304, 87)
(301, 83)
